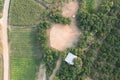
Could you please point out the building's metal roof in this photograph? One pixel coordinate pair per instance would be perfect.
(70, 58)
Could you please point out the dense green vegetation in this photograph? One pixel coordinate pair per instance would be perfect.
(25, 12)
(97, 49)
(1, 7)
(49, 55)
(1, 67)
(1, 64)
(24, 54)
(50, 1)
(58, 18)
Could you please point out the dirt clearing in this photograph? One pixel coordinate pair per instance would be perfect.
(64, 36)
(70, 9)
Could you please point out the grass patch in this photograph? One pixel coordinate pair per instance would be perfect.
(0, 67)
(0, 56)
(23, 41)
(25, 12)
(48, 1)
(23, 68)
(91, 5)
(1, 7)
(0, 40)
(24, 53)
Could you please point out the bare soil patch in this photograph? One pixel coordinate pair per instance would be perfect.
(64, 36)
(70, 9)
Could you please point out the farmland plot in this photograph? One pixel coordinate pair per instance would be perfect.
(25, 12)
(23, 53)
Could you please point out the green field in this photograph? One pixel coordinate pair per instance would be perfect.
(24, 51)
(1, 7)
(90, 5)
(25, 12)
(0, 67)
(49, 1)
(1, 58)
(24, 57)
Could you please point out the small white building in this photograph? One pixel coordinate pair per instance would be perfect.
(70, 58)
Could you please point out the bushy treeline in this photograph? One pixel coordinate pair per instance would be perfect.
(98, 47)
(50, 56)
(101, 59)
(1, 64)
(58, 18)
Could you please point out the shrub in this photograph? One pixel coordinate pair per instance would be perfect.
(58, 18)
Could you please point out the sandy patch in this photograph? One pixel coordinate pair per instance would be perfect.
(70, 9)
(63, 36)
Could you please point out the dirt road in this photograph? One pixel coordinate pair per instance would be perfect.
(42, 73)
(4, 23)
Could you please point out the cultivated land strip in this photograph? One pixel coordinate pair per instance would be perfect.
(4, 23)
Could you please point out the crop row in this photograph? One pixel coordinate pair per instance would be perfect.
(25, 12)
(23, 53)
(23, 68)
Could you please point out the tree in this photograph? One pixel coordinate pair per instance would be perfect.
(58, 18)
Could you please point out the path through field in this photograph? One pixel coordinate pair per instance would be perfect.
(4, 23)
